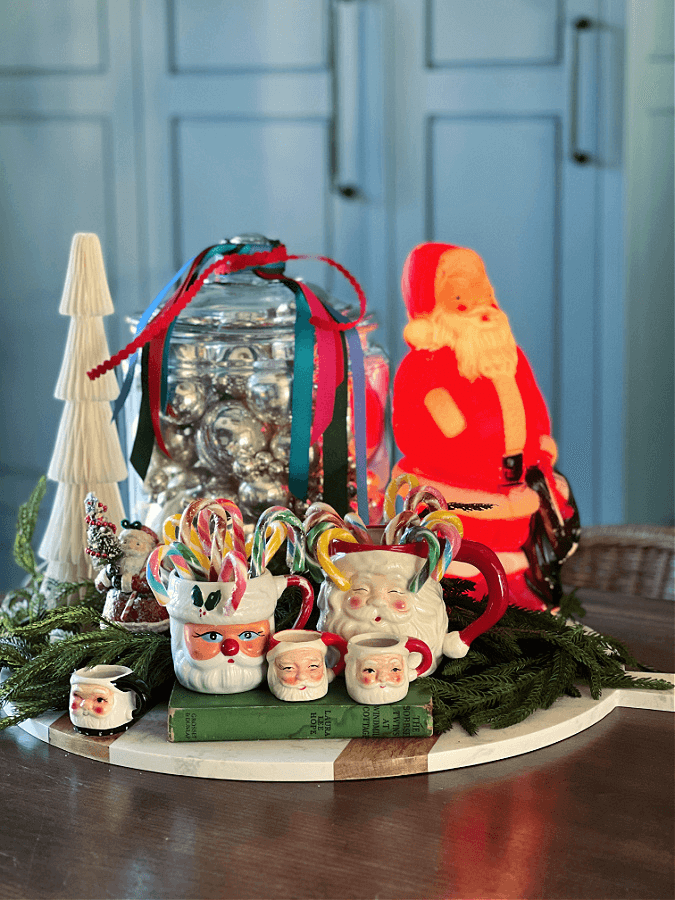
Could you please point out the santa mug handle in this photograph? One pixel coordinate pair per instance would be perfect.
(340, 644)
(456, 644)
(134, 685)
(415, 645)
(307, 599)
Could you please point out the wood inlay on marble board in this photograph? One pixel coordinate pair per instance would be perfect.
(383, 758)
(63, 735)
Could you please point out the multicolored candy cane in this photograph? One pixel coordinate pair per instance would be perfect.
(234, 568)
(295, 540)
(425, 496)
(448, 526)
(410, 536)
(396, 526)
(323, 555)
(393, 489)
(358, 527)
(171, 533)
(165, 558)
(220, 508)
(321, 512)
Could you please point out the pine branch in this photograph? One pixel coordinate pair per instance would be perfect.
(524, 663)
(41, 668)
(27, 520)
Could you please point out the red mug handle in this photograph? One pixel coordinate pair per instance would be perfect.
(487, 563)
(415, 645)
(340, 644)
(307, 599)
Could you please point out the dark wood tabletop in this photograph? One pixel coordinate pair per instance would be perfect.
(590, 817)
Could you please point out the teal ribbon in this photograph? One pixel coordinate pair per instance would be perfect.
(301, 403)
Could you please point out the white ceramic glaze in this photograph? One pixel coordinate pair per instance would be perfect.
(105, 699)
(377, 596)
(379, 669)
(297, 665)
(218, 645)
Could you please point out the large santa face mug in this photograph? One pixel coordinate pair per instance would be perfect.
(297, 663)
(106, 699)
(379, 599)
(220, 649)
(379, 667)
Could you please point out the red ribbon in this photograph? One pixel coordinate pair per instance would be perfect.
(228, 264)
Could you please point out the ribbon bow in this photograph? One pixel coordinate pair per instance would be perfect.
(317, 324)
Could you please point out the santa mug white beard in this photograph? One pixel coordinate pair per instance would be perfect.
(230, 672)
(297, 664)
(216, 648)
(378, 599)
(106, 699)
(379, 667)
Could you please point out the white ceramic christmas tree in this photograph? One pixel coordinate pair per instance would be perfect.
(87, 455)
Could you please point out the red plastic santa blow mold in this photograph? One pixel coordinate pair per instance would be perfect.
(470, 420)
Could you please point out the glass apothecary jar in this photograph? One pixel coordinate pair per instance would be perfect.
(228, 420)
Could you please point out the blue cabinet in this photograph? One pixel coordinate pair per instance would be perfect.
(346, 128)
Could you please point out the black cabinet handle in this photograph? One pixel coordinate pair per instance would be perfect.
(581, 157)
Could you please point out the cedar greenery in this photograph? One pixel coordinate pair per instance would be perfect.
(524, 663)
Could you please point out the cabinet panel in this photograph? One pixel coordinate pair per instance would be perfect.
(52, 36)
(246, 35)
(33, 332)
(493, 187)
(235, 176)
(492, 32)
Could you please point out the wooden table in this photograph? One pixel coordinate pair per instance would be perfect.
(590, 817)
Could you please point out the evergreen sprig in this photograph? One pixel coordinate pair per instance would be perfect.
(41, 665)
(524, 663)
(27, 520)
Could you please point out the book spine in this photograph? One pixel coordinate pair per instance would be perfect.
(301, 722)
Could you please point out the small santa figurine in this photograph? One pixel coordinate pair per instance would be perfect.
(469, 418)
(121, 560)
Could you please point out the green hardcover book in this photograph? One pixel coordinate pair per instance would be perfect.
(258, 715)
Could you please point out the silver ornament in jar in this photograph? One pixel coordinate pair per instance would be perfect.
(227, 425)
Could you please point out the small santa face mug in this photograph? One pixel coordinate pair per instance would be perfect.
(297, 666)
(106, 699)
(217, 648)
(378, 667)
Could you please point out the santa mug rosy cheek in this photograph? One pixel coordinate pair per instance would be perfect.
(297, 663)
(219, 640)
(106, 699)
(379, 667)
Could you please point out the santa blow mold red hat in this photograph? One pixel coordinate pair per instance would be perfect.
(444, 274)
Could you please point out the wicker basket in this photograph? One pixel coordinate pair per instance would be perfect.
(626, 559)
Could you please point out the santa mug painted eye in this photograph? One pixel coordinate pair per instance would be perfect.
(379, 667)
(297, 666)
(106, 699)
(219, 647)
(375, 588)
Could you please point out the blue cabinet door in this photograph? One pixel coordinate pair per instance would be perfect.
(352, 128)
(490, 100)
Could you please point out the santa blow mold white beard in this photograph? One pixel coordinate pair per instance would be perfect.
(378, 600)
(482, 340)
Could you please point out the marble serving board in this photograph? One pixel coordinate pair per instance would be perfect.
(145, 745)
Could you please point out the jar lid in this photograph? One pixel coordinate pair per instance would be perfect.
(241, 302)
